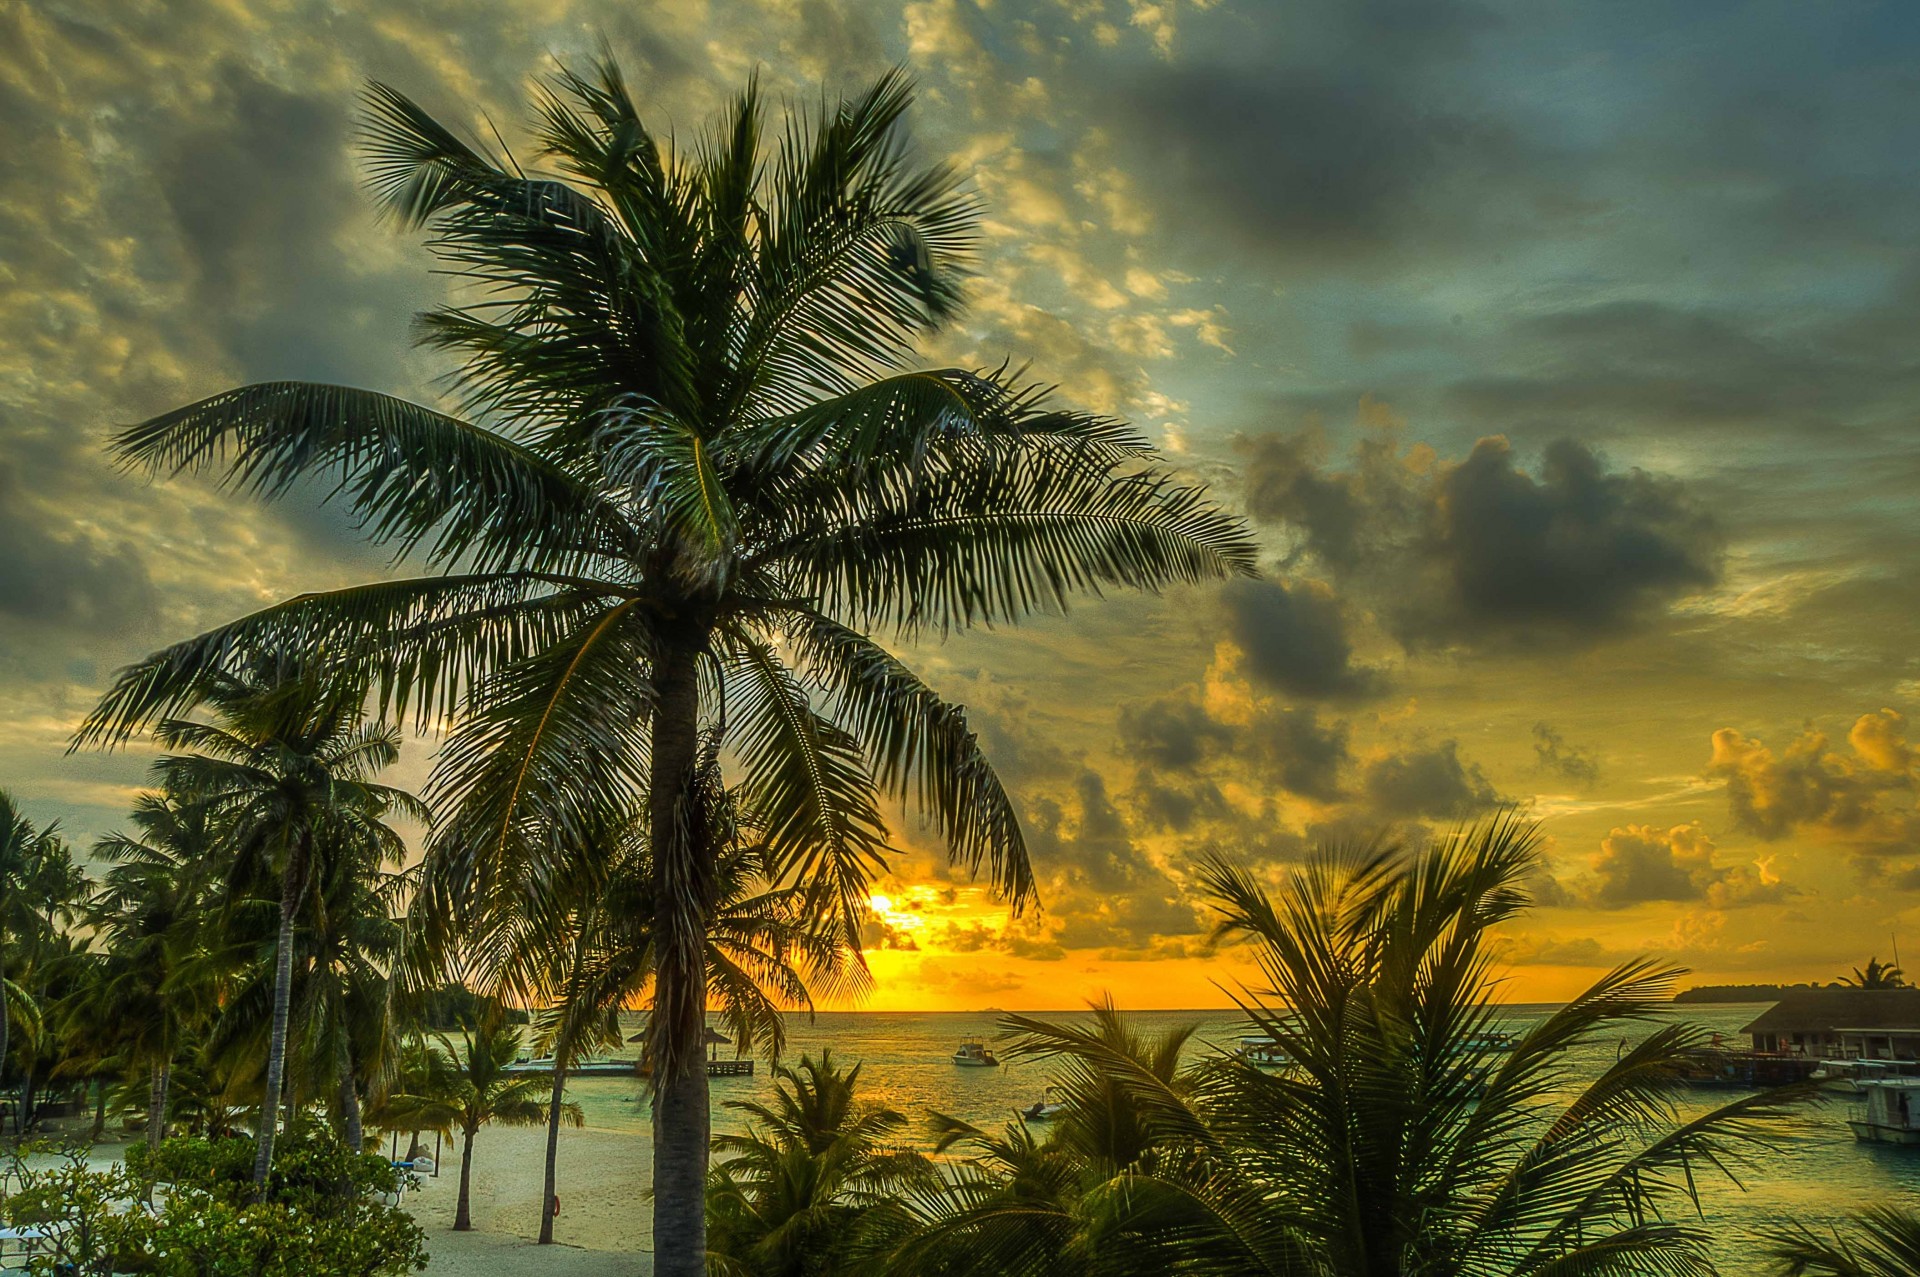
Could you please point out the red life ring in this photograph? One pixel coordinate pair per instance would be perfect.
(556, 1206)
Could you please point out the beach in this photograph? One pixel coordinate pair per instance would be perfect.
(603, 1229)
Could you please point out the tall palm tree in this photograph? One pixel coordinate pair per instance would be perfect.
(789, 1193)
(694, 471)
(285, 769)
(1880, 1241)
(465, 1087)
(31, 882)
(1399, 1142)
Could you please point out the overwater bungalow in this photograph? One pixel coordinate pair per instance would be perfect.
(1842, 1024)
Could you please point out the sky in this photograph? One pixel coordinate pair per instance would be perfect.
(1564, 359)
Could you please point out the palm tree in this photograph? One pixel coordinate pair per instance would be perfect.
(789, 1193)
(1880, 1241)
(467, 1087)
(1876, 976)
(694, 472)
(285, 769)
(39, 884)
(148, 912)
(1399, 1142)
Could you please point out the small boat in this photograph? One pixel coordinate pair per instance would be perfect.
(974, 1055)
(1891, 1114)
(1044, 1109)
(1849, 1076)
(1491, 1041)
(1263, 1052)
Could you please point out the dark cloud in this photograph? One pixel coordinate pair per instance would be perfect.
(1553, 754)
(1646, 864)
(1337, 132)
(1100, 885)
(1482, 551)
(1184, 750)
(58, 575)
(1431, 781)
(1863, 797)
(1294, 639)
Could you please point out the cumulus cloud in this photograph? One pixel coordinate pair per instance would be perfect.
(1644, 864)
(1862, 797)
(1428, 781)
(1482, 550)
(1184, 750)
(1294, 638)
(1100, 887)
(56, 574)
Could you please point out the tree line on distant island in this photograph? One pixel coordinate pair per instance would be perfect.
(696, 471)
(1875, 975)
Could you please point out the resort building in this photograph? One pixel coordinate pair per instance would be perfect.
(1868, 1024)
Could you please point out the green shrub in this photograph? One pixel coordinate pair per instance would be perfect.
(321, 1216)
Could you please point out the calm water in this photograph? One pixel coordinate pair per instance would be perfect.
(1815, 1172)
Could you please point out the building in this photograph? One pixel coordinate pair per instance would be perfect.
(1873, 1024)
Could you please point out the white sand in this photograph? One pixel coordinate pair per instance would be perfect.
(604, 1227)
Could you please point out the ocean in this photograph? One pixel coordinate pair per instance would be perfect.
(1814, 1172)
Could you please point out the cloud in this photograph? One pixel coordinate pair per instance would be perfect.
(1185, 753)
(1863, 798)
(1553, 754)
(1480, 551)
(1645, 864)
(1429, 780)
(1100, 888)
(56, 574)
(1294, 639)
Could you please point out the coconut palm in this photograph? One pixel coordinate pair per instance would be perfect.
(788, 1195)
(1877, 975)
(463, 1087)
(39, 886)
(1880, 1241)
(692, 471)
(285, 770)
(1399, 1142)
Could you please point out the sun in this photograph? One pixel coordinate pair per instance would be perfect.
(880, 904)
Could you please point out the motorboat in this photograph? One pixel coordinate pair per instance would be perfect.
(1891, 1113)
(1044, 1109)
(1263, 1052)
(974, 1055)
(1849, 1076)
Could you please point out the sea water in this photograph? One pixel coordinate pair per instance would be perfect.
(1811, 1170)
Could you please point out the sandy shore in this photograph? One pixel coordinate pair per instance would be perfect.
(604, 1225)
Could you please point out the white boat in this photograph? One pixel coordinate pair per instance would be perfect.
(1044, 1109)
(974, 1055)
(1263, 1052)
(1891, 1113)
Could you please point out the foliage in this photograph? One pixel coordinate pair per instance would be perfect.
(1877, 975)
(788, 1196)
(1880, 1241)
(1399, 1142)
(187, 1210)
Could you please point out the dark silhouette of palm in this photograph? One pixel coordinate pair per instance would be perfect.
(696, 470)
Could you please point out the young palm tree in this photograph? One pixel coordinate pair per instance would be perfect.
(1880, 1241)
(148, 912)
(1399, 1142)
(692, 474)
(789, 1194)
(285, 770)
(466, 1087)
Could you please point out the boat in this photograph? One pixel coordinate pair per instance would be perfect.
(974, 1055)
(1850, 1075)
(1891, 1114)
(1044, 1109)
(1744, 1070)
(1263, 1052)
(1490, 1041)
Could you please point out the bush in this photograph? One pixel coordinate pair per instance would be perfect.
(321, 1214)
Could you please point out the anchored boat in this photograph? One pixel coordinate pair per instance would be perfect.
(1891, 1113)
(974, 1055)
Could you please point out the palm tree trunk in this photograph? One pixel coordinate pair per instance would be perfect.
(463, 1213)
(350, 1112)
(553, 1152)
(683, 892)
(157, 1103)
(99, 1110)
(282, 995)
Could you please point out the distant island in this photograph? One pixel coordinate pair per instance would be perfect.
(1743, 992)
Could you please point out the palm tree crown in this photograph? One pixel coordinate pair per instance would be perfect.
(693, 469)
